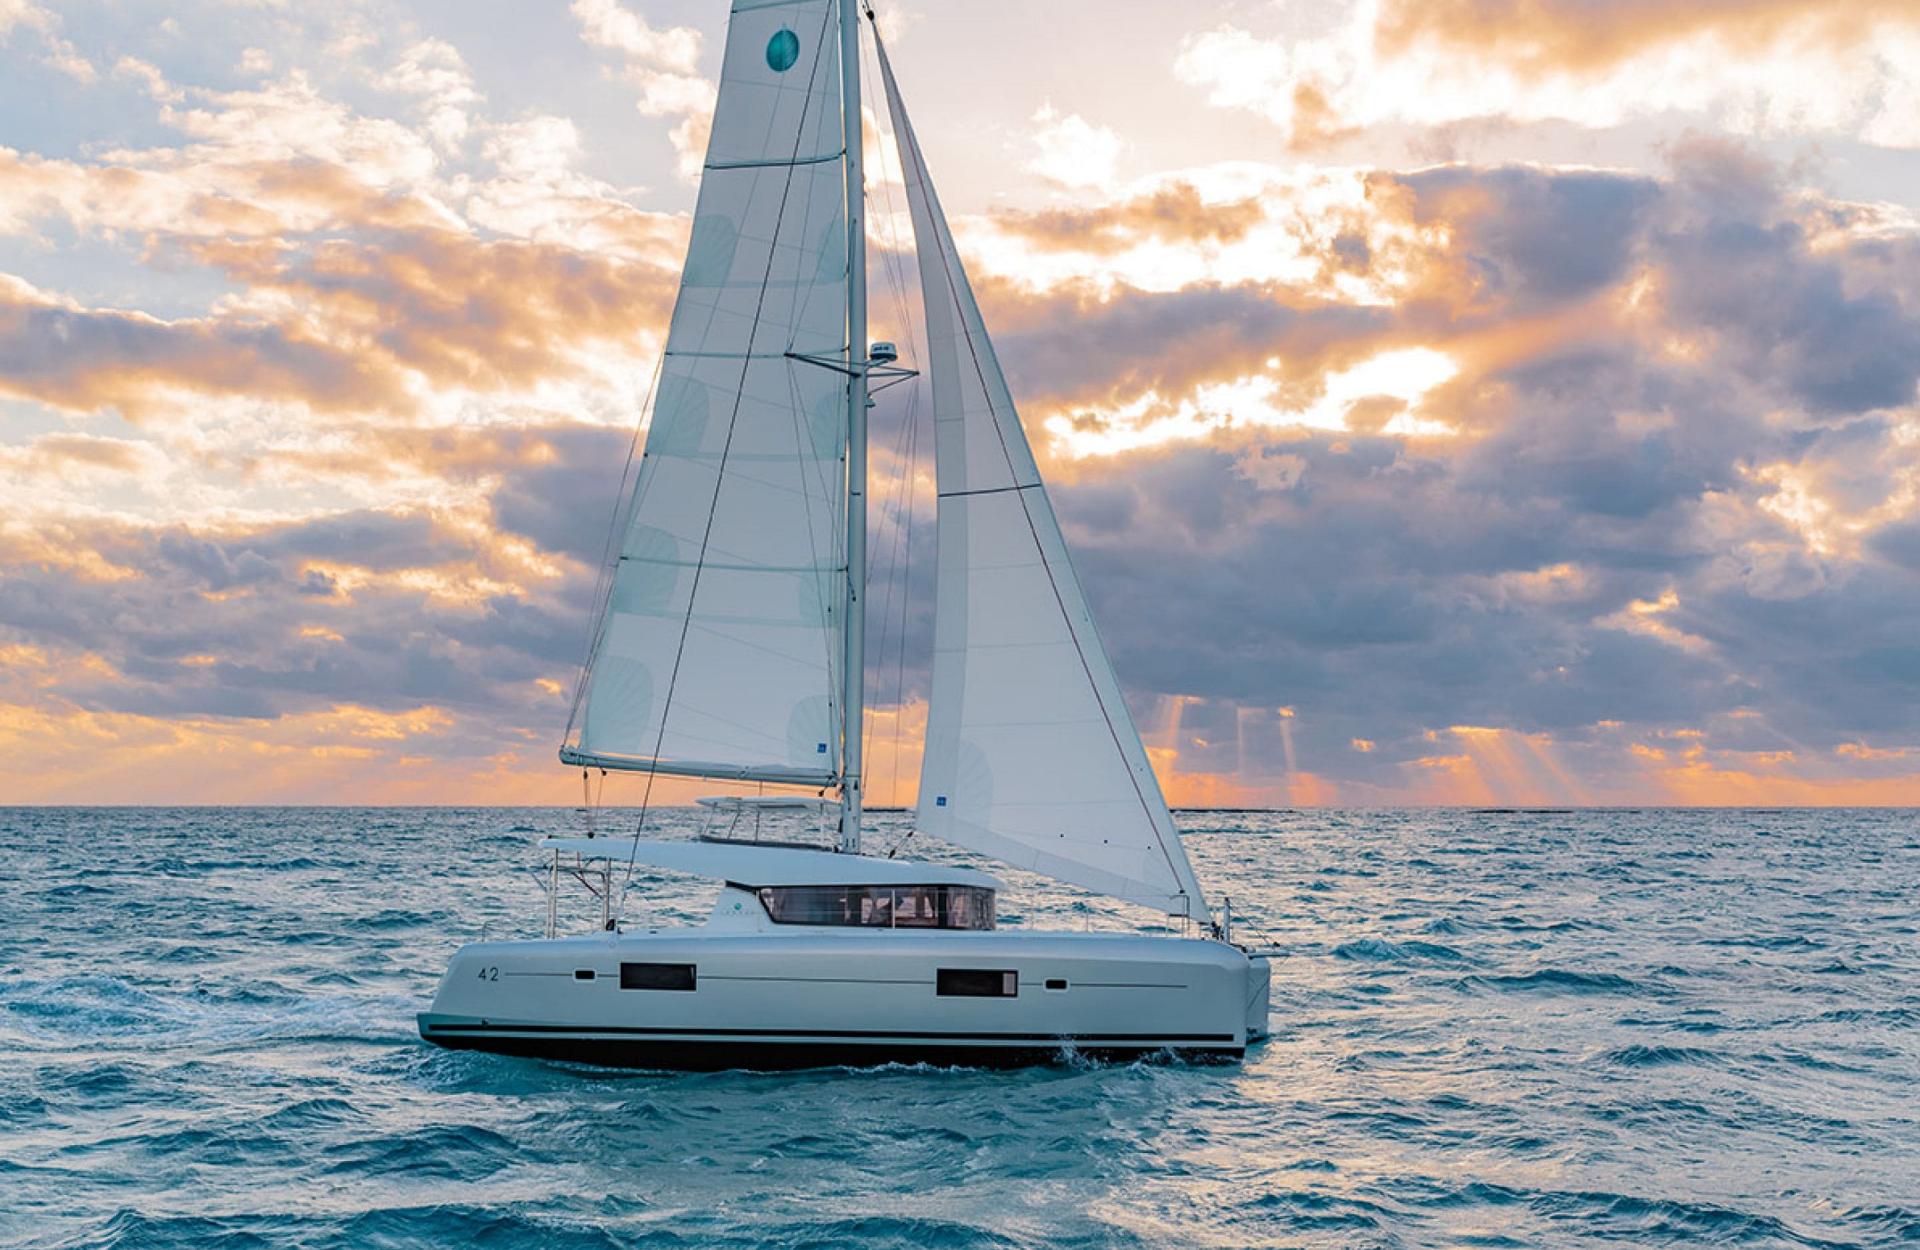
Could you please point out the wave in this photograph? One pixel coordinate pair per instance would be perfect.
(454, 1152)
(1662, 1056)
(395, 918)
(1673, 1220)
(1561, 981)
(432, 1224)
(1773, 942)
(1312, 1210)
(1380, 950)
(1605, 1216)
(101, 1011)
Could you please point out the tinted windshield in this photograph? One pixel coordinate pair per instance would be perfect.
(881, 906)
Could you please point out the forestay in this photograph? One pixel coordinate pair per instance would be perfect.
(1031, 755)
(717, 651)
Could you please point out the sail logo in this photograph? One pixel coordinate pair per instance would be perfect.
(782, 50)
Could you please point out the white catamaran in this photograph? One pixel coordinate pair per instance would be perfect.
(730, 645)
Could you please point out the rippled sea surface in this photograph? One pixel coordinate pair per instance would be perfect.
(1490, 1029)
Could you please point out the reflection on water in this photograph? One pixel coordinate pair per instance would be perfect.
(1491, 1029)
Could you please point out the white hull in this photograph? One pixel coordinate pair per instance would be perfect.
(805, 997)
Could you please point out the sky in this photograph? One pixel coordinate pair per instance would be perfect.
(1447, 401)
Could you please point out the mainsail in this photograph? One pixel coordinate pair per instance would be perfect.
(718, 649)
(1031, 755)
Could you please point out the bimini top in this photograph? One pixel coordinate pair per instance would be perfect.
(751, 865)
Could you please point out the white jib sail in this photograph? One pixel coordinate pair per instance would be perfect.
(717, 651)
(1031, 755)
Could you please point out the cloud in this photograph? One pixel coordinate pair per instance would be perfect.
(1073, 151)
(62, 454)
(1174, 213)
(1518, 239)
(291, 119)
(608, 24)
(56, 52)
(381, 609)
(1551, 34)
(58, 353)
(663, 65)
(1441, 295)
(359, 280)
(452, 308)
(367, 321)
(1074, 345)
(433, 71)
(1781, 66)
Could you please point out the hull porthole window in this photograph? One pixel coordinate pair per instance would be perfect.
(977, 983)
(656, 976)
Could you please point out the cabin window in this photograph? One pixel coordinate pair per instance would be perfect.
(881, 906)
(977, 983)
(656, 976)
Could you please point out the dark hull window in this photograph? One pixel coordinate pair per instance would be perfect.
(977, 983)
(881, 906)
(656, 976)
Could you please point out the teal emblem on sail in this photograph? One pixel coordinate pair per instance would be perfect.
(783, 50)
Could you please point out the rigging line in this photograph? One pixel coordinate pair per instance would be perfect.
(623, 505)
(899, 569)
(890, 266)
(798, 314)
(803, 440)
(899, 451)
(893, 264)
(906, 596)
(890, 571)
(899, 566)
(886, 579)
(822, 570)
(719, 483)
(948, 258)
(897, 555)
(822, 573)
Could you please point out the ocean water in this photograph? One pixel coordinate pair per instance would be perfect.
(1491, 1029)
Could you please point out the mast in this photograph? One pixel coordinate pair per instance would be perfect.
(854, 667)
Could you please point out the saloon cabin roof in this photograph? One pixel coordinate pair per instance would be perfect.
(751, 865)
